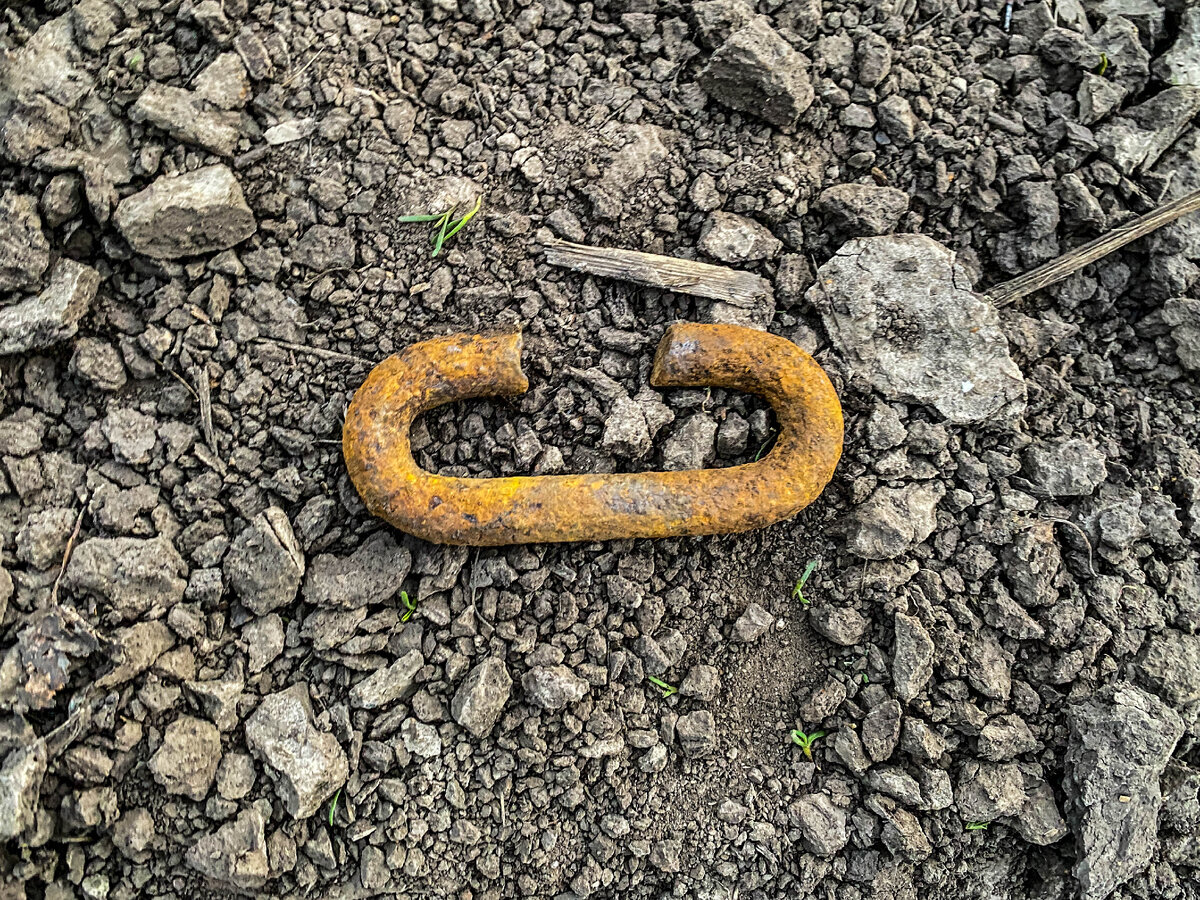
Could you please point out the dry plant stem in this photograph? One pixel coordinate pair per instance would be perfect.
(67, 553)
(592, 506)
(315, 351)
(680, 275)
(1069, 263)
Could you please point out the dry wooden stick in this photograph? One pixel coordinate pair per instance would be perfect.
(315, 351)
(1067, 264)
(683, 276)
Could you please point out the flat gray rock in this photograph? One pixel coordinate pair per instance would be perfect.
(184, 215)
(1120, 742)
(44, 319)
(24, 250)
(756, 71)
(901, 313)
(481, 697)
(306, 764)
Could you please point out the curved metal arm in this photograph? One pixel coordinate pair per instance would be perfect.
(521, 509)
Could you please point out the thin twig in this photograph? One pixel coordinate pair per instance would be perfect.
(204, 394)
(1069, 263)
(67, 553)
(315, 351)
(683, 276)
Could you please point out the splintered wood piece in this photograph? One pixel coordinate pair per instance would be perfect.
(744, 289)
(1069, 263)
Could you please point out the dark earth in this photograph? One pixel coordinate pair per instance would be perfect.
(211, 682)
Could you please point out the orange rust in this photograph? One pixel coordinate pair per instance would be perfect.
(591, 507)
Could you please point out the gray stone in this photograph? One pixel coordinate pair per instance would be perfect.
(822, 824)
(186, 761)
(1097, 98)
(736, 239)
(187, 117)
(264, 564)
(1006, 737)
(324, 248)
(224, 82)
(43, 538)
(1183, 315)
(24, 250)
(898, 310)
(893, 520)
(386, 685)
(897, 120)
(848, 748)
(371, 574)
(822, 701)
(874, 57)
(184, 215)
(20, 784)
(135, 575)
(42, 320)
(690, 445)
(134, 833)
(1069, 468)
(1181, 63)
(235, 854)
(717, 19)
(702, 682)
(1169, 665)
(881, 730)
(481, 697)
(901, 833)
(987, 791)
(98, 363)
(757, 71)
(896, 783)
(625, 430)
(752, 624)
(235, 776)
(1039, 821)
(1120, 741)
(131, 434)
(1134, 140)
(553, 687)
(912, 659)
(421, 739)
(697, 733)
(863, 209)
(306, 765)
(839, 624)
(264, 639)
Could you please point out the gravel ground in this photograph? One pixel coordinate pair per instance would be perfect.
(209, 683)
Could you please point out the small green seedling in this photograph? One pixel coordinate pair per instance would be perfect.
(667, 689)
(134, 61)
(798, 590)
(410, 606)
(866, 679)
(805, 741)
(445, 226)
(977, 826)
(333, 806)
(1103, 65)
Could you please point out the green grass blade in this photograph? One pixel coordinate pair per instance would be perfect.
(465, 219)
(431, 218)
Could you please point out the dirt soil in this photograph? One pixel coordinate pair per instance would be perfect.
(220, 675)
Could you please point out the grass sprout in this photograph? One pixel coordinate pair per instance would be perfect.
(333, 806)
(445, 226)
(410, 606)
(805, 741)
(798, 590)
(977, 826)
(667, 689)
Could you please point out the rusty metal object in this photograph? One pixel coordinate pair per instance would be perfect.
(493, 511)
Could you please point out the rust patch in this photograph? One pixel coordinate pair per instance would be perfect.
(525, 509)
